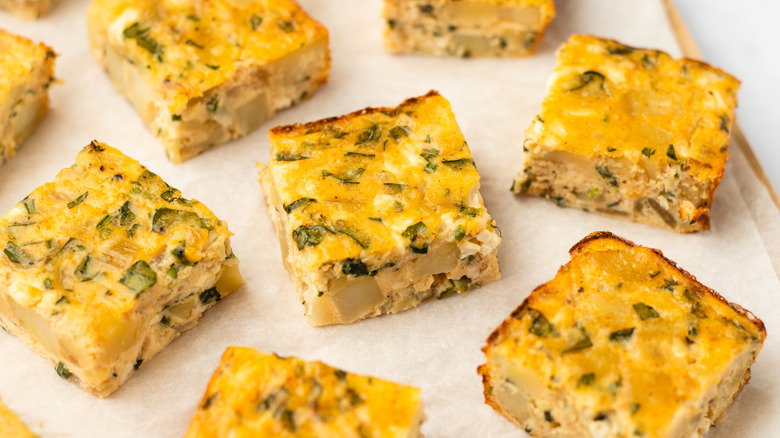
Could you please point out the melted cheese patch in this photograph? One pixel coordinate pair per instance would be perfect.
(257, 394)
(608, 99)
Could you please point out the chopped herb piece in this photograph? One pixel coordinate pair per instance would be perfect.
(340, 375)
(178, 254)
(213, 104)
(78, 200)
(540, 326)
(286, 26)
(613, 204)
(290, 156)
(139, 34)
(586, 380)
(352, 233)
(634, 407)
(430, 153)
(644, 311)
(103, 222)
(300, 203)
(611, 149)
(648, 152)
(193, 44)
(724, 123)
(548, 416)
(622, 335)
(82, 270)
(371, 134)
(430, 167)
(469, 211)
(669, 285)
(426, 9)
(601, 416)
(588, 77)
(209, 296)
(213, 67)
(655, 274)
(17, 255)
(139, 277)
(399, 131)
(620, 50)
(670, 152)
(193, 18)
(428, 138)
(350, 176)
(391, 24)
(395, 188)
(595, 191)
(173, 272)
(457, 164)
(47, 283)
(460, 233)
(354, 267)
(606, 174)
(582, 343)
(168, 195)
(255, 21)
(311, 236)
(165, 217)
(29, 205)
(126, 216)
(134, 229)
(63, 371)
(376, 219)
(418, 234)
(209, 401)
(358, 154)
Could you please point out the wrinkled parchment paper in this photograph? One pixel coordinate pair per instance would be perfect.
(435, 346)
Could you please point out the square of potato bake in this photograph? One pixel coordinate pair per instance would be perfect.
(258, 394)
(631, 133)
(466, 28)
(26, 71)
(378, 210)
(620, 343)
(203, 72)
(107, 265)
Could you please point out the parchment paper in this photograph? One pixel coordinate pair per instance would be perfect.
(435, 346)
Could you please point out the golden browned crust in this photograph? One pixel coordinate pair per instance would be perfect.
(297, 128)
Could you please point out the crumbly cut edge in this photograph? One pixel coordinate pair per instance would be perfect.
(717, 402)
(30, 104)
(183, 311)
(27, 9)
(402, 290)
(425, 34)
(653, 206)
(205, 122)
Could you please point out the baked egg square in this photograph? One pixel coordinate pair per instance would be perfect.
(631, 133)
(253, 393)
(201, 72)
(26, 71)
(378, 210)
(466, 28)
(107, 265)
(621, 343)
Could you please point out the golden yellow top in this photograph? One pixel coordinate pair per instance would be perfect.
(377, 180)
(11, 426)
(106, 238)
(18, 56)
(608, 99)
(190, 47)
(624, 331)
(255, 394)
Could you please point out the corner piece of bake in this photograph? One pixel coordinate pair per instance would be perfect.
(620, 343)
(107, 265)
(11, 425)
(26, 71)
(258, 394)
(203, 72)
(631, 133)
(378, 210)
(466, 28)
(27, 9)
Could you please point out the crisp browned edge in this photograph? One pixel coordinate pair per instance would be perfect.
(574, 251)
(297, 128)
(690, 49)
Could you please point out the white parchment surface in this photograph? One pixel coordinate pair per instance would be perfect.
(435, 346)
